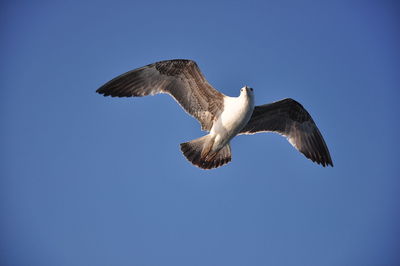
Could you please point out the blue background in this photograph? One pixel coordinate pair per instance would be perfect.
(88, 180)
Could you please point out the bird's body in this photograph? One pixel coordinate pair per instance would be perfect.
(223, 116)
(235, 115)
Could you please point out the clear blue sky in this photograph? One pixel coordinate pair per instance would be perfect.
(89, 180)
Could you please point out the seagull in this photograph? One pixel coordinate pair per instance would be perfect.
(222, 116)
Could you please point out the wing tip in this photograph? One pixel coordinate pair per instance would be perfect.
(324, 159)
(107, 91)
(324, 163)
(330, 163)
(100, 91)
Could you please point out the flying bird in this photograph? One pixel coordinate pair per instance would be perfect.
(222, 116)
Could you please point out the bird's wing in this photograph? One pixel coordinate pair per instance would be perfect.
(288, 118)
(182, 79)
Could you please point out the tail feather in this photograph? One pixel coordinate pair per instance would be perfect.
(199, 153)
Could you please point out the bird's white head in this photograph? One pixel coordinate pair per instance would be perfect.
(246, 90)
(247, 95)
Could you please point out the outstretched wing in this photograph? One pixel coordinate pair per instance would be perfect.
(288, 118)
(182, 79)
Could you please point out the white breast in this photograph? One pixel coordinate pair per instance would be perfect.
(236, 114)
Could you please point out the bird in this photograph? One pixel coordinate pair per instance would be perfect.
(223, 117)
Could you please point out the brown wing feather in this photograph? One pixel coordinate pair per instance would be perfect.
(288, 117)
(180, 78)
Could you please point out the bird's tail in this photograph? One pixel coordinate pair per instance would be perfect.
(198, 152)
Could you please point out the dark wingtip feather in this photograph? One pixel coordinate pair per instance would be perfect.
(105, 91)
(314, 148)
(329, 163)
(100, 91)
(325, 162)
(113, 91)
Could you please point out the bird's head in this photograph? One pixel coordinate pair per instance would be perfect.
(246, 90)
